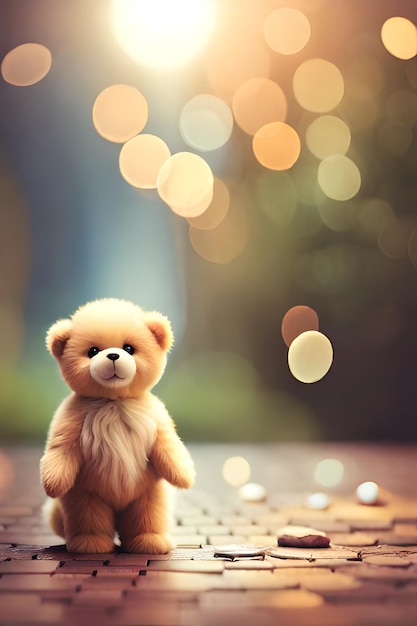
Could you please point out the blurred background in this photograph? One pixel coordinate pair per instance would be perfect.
(222, 161)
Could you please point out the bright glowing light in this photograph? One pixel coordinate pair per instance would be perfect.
(276, 146)
(185, 182)
(287, 30)
(206, 122)
(329, 472)
(257, 102)
(236, 471)
(119, 113)
(328, 135)
(162, 34)
(26, 64)
(339, 178)
(318, 85)
(298, 320)
(368, 493)
(399, 36)
(141, 158)
(310, 356)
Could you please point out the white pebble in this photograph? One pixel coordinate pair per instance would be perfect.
(318, 501)
(252, 492)
(368, 493)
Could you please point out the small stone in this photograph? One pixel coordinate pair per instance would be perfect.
(317, 501)
(368, 493)
(252, 492)
(302, 537)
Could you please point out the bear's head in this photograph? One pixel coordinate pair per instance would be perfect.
(111, 348)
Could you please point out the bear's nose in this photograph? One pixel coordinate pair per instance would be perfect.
(113, 356)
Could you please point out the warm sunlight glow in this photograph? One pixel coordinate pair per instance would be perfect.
(399, 37)
(141, 158)
(339, 177)
(318, 85)
(206, 122)
(310, 356)
(119, 113)
(160, 33)
(287, 30)
(257, 102)
(26, 64)
(297, 320)
(185, 182)
(276, 146)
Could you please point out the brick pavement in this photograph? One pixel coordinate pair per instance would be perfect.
(366, 577)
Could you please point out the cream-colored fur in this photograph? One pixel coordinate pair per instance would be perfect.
(109, 455)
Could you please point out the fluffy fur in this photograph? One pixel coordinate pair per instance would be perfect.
(112, 447)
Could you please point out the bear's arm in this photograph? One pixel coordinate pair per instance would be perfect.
(169, 455)
(61, 461)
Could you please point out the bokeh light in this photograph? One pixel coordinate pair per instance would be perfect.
(318, 85)
(276, 146)
(141, 158)
(236, 471)
(399, 36)
(298, 320)
(161, 34)
(225, 242)
(310, 356)
(185, 182)
(328, 135)
(339, 177)
(257, 102)
(217, 209)
(26, 64)
(119, 113)
(236, 51)
(329, 472)
(287, 30)
(206, 122)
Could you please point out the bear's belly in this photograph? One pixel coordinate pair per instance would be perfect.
(116, 440)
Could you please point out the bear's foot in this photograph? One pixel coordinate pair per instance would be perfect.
(149, 543)
(90, 543)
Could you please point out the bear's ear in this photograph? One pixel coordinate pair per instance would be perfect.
(160, 327)
(57, 336)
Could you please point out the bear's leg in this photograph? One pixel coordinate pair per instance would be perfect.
(88, 522)
(53, 513)
(143, 525)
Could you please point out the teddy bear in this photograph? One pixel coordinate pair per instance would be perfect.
(112, 447)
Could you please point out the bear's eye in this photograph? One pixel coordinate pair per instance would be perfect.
(128, 348)
(93, 351)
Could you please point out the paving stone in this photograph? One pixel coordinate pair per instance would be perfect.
(390, 561)
(22, 566)
(356, 539)
(201, 567)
